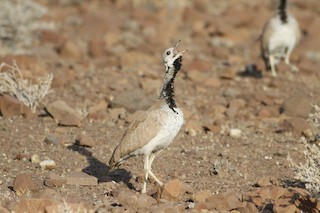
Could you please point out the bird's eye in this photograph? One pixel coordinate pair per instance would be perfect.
(168, 52)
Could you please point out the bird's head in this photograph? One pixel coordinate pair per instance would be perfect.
(172, 58)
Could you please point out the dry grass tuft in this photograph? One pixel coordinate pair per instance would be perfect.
(12, 83)
(309, 172)
(19, 24)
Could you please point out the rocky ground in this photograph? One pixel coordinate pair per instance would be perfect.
(241, 124)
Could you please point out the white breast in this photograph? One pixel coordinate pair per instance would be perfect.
(171, 124)
(284, 36)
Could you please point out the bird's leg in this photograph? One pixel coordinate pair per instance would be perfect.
(287, 61)
(272, 64)
(146, 166)
(149, 169)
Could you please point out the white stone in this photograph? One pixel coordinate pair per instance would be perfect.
(35, 158)
(235, 133)
(48, 164)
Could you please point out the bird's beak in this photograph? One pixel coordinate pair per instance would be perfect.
(175, 49)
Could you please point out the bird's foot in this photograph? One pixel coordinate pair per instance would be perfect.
(293, 68)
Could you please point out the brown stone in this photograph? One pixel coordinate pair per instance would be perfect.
(67, 207)
(249, 208)
(297, 124)
(298, 105)
(54, 140)
(81, 178)
(201, 196)
(64, 114)
(224, 201)
(84, 140)
(132, 100)
(128, 199)
(71, 50)
(96, 48)
(3, 210)
(267, 181)
(102, 105)
(171, 190)
(33, 205)
(145, 202)
(165, 208)
(10, 107)
(268, 111)
(23, 183)
(55, 180)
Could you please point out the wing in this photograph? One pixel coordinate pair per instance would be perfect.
(139, 133)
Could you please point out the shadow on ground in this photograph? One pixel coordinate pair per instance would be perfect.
(100, 170)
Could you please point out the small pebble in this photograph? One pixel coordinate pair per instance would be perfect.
(235, 133)
(48, 164)
(35, 158)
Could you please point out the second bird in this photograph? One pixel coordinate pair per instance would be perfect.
(279, 37)
(156, 128)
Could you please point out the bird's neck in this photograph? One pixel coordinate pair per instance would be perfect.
(282, 11)
(167, 91)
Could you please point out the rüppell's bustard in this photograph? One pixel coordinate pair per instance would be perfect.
(156, 128)
(279, 37)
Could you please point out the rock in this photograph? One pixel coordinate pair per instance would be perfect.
(81, 178)
(3, 210)
(71, 50)
(96, 48)
(267, 181)
(234, 106)
(23, 183)
(54, 140)
(298, 105)
(268, 111)
(249, 208)
(165, 208)
(201, 196)
(224, 201)
(132, 100)
(22, 156)
(67, 207)
(286, 208)
(10, 107)
(33, 205)
(35, 159)
(297, 125)
(171, 190)
(55, 180)
(128, 199)
(84, 140)
(47, 164)
(117, 113)
(235, 133)
(145, 202)
(65, 114)
(102, 105)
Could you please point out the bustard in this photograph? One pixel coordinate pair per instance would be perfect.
(279, 37)
(156, 128)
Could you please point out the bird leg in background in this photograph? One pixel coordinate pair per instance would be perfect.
(293, 68)
(272, 64)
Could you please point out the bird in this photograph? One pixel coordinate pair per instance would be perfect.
(280, 35)
(154, 129)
